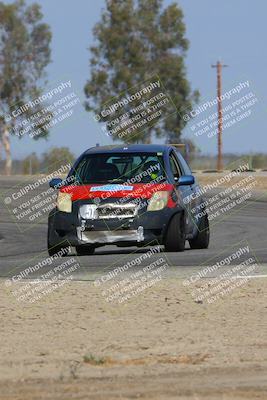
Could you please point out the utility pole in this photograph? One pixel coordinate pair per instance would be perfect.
(219, 67)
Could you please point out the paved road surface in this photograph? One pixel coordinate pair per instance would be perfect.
(24, 244)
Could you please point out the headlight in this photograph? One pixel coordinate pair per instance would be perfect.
(158, 201)
(64, 202)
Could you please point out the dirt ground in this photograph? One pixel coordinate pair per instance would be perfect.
(160, 345)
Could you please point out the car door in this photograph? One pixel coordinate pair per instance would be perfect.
(195, 200)
(183, 193)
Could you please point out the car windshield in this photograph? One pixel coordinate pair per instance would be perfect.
(120, 168)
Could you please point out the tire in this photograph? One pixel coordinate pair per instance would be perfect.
(175, 237)
(85, 250)
(201, 241)
(52, 251)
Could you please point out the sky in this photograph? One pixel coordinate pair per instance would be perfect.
(231, 31)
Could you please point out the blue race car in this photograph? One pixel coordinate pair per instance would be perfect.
(129, 195)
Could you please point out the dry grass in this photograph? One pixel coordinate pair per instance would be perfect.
(205, 179)
(192, 359)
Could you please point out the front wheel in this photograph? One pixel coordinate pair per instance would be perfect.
(85, 250)
(61, 250)
(175, 237)
(201, 241)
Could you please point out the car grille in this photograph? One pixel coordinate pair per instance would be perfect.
(108, 211)
(117, 211)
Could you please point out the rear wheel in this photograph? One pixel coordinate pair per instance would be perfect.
(175, 237)
(85, 250)
(201, 241)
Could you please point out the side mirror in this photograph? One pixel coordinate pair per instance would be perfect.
(55, 183)
(186, 180)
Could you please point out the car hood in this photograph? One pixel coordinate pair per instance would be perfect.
(106, 191)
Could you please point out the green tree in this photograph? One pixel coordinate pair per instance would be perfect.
(259, 160)
(24, 54)
(55, 158)
(137, 39)
(190, 151)
(31, 165)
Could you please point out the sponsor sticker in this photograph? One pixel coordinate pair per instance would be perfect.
(110, 188)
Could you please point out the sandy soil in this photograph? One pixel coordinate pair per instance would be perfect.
(160, 345)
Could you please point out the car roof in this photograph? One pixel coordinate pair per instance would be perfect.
(129, 148)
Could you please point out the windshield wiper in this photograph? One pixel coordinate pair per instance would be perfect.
(102, 182)
(116, 180)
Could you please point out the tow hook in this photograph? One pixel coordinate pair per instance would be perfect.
(82, 225)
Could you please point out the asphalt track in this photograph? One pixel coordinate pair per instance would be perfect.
(24, 244)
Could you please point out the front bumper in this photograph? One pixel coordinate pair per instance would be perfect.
(117, 236)
(142, 229)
